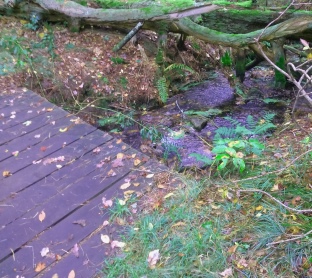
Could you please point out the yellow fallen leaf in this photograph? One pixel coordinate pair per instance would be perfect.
(120, 156)
(40, 266)
(180, 223)
(125, 185)
(41, 35)
(136, 162)
(259, 208)
(23, 21)
(118, 141)
(6, 174)
(129, 192)
(55, 275)
(136, 184)
(63, 129)
(42, 216)
(149, 176)
(168, 195)
(71, 274)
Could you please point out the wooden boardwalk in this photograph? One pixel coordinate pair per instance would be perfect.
(55, 170)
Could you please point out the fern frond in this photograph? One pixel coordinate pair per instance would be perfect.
(225, 132)
(179, 67)
(162, 88)
(233, 122)
(251, 123)
(261, 129)
(268, 117)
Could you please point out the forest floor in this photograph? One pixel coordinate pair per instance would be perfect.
(251, 224)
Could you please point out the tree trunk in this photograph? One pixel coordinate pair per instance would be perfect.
(176, 21)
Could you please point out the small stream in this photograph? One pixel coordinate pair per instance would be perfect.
(193, 133)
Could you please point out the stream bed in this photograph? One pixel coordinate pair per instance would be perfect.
(189, 120)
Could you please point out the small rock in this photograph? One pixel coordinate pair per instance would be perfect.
(198, 122)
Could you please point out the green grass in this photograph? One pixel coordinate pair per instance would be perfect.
(207, 227)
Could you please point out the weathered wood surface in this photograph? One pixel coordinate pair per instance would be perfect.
(67, 190)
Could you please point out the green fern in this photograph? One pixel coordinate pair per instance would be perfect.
(178, 67)
(251, 128)
(162, 88)
(159, 59)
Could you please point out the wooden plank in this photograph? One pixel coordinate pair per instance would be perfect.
(55, 145)
(60, 241)
(35, 172)
(60, 206)
(23, 116)
(32, 138)
(38, 193)
(23, 128)
(22, 97)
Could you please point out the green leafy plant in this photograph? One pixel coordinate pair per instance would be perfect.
(233, 144)
(117, 60)
(117, 118)
(34, 21)
(151, 133)
(162, 87)
(233, 151)
(226, 59)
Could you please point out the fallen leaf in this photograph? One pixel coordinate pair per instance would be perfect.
(6, 174)
(75, 250)
(96, 150)
(55, 275)
(63, 129)
(105, 238)
(242, 263)
(40, 266)
(232, 249)
(136, 162)
(136, 184)
(125, 185)
(118, 244)
(259, 208)
(153, 258)
(43, 148)
(49, 109)
(226, 273)
(149, 176)
(58, 257)
(105, 223)
(296, 201)
(120, 156)
(118, 141)
(15, 153)
(42, 216)
(37, 136)
(111, 173)
(27, 123)
(107, 203)
(44, 251)
(168, 195)
(71, 274)
(81, 222)
(178, 224)
(117, 163)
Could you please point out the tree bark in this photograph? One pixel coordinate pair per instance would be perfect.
(177, 21)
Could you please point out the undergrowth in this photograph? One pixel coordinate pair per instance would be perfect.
(257, 224)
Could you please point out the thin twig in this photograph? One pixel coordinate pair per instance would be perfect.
(276, 200)
(290, 239)
(276, 171)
